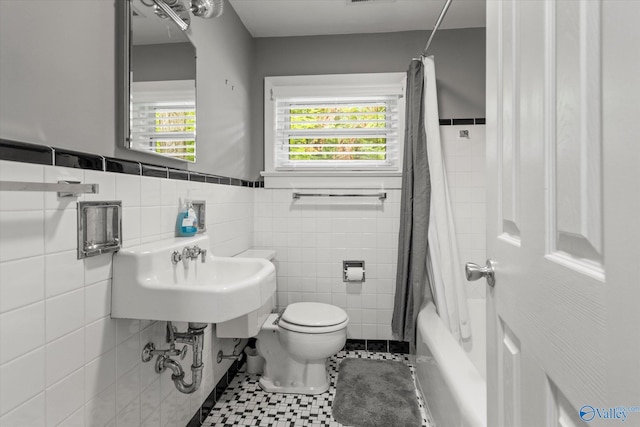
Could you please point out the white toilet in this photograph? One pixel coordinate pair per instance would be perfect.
(295, 344)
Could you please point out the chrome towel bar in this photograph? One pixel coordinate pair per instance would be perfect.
(64, 188)
(381, 196)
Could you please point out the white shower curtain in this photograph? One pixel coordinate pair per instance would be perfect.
(443, 262)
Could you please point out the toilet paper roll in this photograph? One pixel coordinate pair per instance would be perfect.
(355, 274)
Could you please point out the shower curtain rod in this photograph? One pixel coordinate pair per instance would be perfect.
(435, 28)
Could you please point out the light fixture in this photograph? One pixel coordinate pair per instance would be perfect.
(178, 13)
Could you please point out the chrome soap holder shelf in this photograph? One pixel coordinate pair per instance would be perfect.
(99, 228)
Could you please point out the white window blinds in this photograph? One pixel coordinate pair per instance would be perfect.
(163, 120)
(338, 132)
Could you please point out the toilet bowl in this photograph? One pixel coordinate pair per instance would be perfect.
(297, 345)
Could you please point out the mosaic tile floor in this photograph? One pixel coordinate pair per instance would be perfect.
(245, 404)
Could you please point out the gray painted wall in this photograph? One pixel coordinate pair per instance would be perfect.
(459, 55)
(57, 82)
(166, 61)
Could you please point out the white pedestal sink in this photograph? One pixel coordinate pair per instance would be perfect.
(148, 283)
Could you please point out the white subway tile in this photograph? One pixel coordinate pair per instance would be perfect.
(151, 221)
(106, 185)
(100, 411)
(169, 409)
(168, 194)
(21, 331)
(22, 379)
(150, 398)
(74, 420)
(128, 190)
(29, 414)
(97, 268)
(152, 421)
(64, 273)
(128, 354)
(369, 331)
(130, 416)
(354, 330)
(65, 397)
(21, 200)
(100, 337)
(369, 316)
(22, 235)
(64, 356)
(100, 373)
(150, 191)
(127, 388)
(131, 224)
(21, 282)
(97, 301)
(60, 230)
(64, 314)
(384, 302)
(126, 328)
(168, 217)
(384, 332)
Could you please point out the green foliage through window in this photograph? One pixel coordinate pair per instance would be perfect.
(171, 127)
(355, 132)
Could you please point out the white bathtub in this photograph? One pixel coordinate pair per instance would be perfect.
(450, 377)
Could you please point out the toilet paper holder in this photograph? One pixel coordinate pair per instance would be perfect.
(346, 265)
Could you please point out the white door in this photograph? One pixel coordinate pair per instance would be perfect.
(563, 227)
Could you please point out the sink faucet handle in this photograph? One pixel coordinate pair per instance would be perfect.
(176, 257)
(186, 256)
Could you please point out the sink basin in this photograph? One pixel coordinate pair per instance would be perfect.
(148, 285)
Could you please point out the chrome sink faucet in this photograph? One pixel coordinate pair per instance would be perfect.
(189, 253)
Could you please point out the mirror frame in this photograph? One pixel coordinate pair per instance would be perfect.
(124, 37)
(123, 67)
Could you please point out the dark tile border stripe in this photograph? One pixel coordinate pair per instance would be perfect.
(154, 171)
(198, 177)
(17, 151)
(25, 153)
(469, 121)
(121, 166)
(74, 159)
(400, 347)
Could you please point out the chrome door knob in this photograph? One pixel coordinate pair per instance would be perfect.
(475, 272)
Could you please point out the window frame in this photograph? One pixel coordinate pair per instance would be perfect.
(354, 85)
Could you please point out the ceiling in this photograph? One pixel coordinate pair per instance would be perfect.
(285, 18)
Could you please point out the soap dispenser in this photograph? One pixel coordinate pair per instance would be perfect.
(187, 222)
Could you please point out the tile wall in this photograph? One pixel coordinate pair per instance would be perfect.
(63, 360)
(312, 236)
(465, 163)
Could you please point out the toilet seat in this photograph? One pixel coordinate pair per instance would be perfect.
(313, 318)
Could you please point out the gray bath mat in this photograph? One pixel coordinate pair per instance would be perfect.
(375, 393)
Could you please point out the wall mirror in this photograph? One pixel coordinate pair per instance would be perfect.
(157, 82)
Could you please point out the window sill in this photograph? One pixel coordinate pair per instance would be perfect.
(333, 179)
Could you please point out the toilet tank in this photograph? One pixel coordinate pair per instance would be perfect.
(249, 325)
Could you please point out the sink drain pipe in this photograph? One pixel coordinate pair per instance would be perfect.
(193, 337)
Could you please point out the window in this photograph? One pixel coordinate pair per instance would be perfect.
(349, 132)
(334, 124)
(163, 118)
